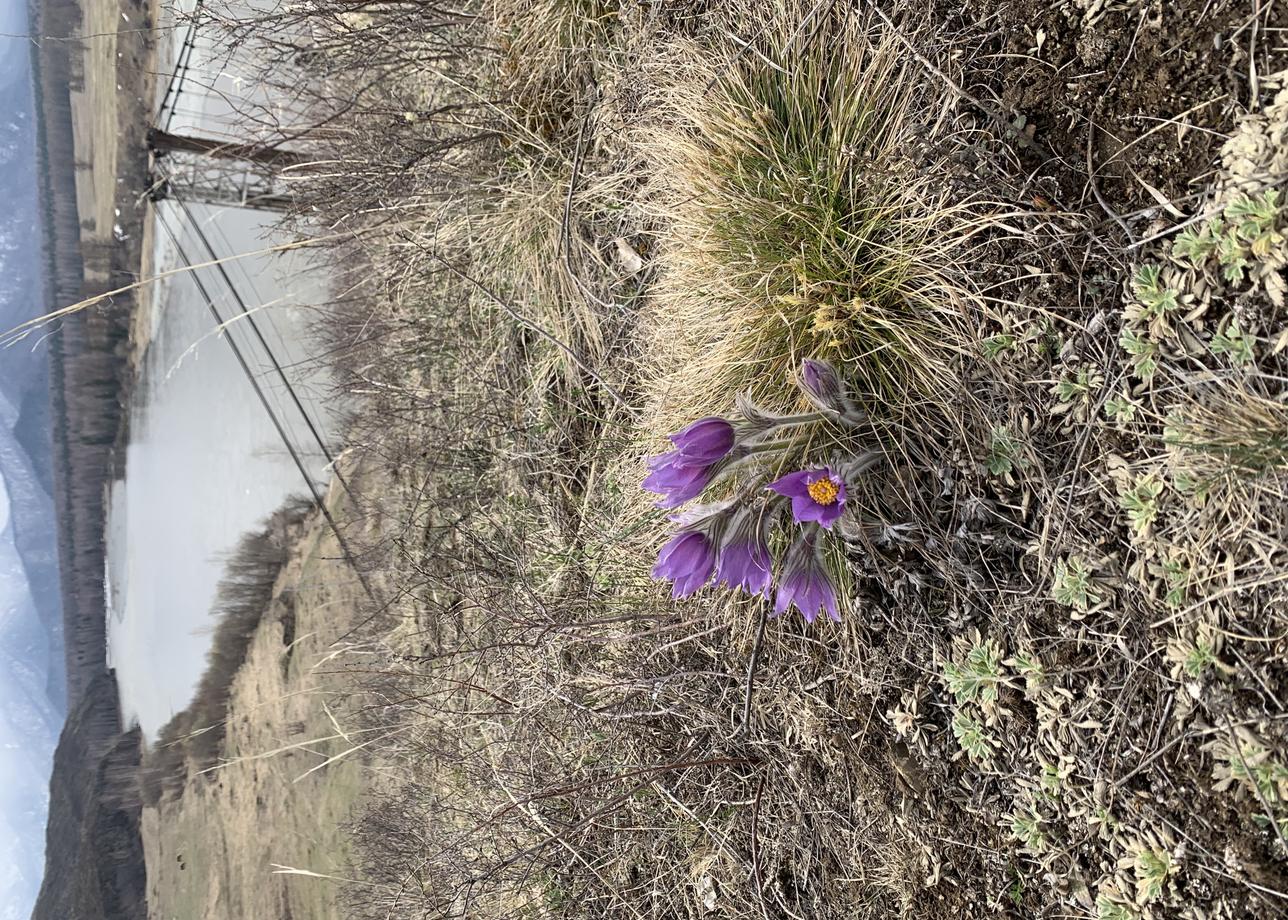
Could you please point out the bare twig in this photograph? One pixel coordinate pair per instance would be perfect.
(751, 673)
(1095, 188)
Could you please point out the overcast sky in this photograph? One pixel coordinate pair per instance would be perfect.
(31, 705)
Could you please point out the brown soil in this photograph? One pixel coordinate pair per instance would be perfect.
(1115, 79)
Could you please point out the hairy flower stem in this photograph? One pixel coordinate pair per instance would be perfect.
(802, 419)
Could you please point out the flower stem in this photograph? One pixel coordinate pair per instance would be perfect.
(804, 419)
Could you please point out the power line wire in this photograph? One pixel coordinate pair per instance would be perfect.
(272, 415)
(182, 62)
(259, 335)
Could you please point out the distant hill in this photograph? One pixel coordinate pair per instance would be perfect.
(93, 847)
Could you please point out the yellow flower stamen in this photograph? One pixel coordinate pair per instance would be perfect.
(823, 491)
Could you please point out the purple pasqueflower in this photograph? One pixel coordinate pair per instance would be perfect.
(825, 389)
(817, 495)
(688, 559)
(704, 441)
(675, 481)
(805, 582)
(822, 384)
(744, 560)
(684, 472)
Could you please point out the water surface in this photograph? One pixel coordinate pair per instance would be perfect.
(204, 463)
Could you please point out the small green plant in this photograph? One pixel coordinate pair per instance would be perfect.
(1199, 659)
(1153, 868)
(1051, 780)
(1141, 502)
(1195, 653)
(973, 738)
(1143, 352)
(1190, 485)
(1003, 452)
(1192, 658)
(994, 345)
(1030, 668)
(1233, 257)
(1077, 386)
(1153, 299)
(1198, 245)
(1015, 890)
(1120, 408)
(1266, 823)
(1234, 342)
(1026, 827)
(1102, 820)
(1109, 909)
(1176, 578)
(976, 679)
(556, 895)
(1253, 220)
(1253, 767)
(1072, 585)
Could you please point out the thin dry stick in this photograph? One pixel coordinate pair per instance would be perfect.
(24, 329)
(751, 674)
(565, 226)
(755, 849)
(1254, 83)
(1095, 187)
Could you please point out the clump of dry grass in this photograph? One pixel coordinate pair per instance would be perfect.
(801, 220)
(1234, 434)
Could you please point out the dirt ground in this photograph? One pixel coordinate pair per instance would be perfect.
(111, 109)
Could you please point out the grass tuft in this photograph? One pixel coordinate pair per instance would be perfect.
(800, 224)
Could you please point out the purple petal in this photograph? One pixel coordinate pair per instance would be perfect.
(705, 441)
(688, 559)
(682, 555)
(828, 514)
(677, 484)
(822, 383)
(745, 565)
(787, 590)
(806, 509)
(792, 485)
(829, 603)
(692, 582)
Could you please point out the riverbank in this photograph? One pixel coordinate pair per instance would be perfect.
(1042, 246)
(251, 824)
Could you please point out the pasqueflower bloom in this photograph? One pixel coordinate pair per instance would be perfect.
(685, 471)
(805, 582)
(688, 559)
(817, 495)
(822, 384)
(744, 560)
(825, 389)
